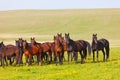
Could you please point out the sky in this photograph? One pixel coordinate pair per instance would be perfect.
(57, 4)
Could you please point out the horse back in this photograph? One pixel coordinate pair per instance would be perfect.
(10, 50)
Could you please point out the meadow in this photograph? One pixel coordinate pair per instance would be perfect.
(81, 24)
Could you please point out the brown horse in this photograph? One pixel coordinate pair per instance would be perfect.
(63, 42)
(46, 48)
(30, 50)
(9, 51)
(59, 50)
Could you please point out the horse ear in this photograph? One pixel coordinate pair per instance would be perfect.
(33, 37)
(54, 37)
(60, 34)
(96, 34)
(2, 42)
(65, 33)
(68, 34)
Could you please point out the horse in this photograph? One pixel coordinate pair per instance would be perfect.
(46, 47)
(30, 50)
(63, 42)
(75, 47)
(1, 46)
(98, 45)
(9, 51)
(59, 50)
(19, 44)
(86, 47)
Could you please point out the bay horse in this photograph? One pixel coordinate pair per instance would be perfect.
(46, 47)
(98, 45)
(63, 43)
(59, 50)
(30, 50)
(9, 51)
(75, 47)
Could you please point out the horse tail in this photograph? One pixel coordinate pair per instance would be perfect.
(88, 47)
(107, 48)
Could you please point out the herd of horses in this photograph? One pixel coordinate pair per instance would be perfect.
(52, 51)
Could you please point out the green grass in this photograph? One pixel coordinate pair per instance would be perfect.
(88, 71)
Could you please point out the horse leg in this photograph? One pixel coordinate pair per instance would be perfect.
(2, 61)
(82, 57)
(107, 52)
(103, 54)
(56, 59)
(93, 56)
(30, 59)
(11, 60)
(6, 61)
(72, 56)
(59, 58)
(76, 57)
(97, 55)
(68, 56)
(50, 57)
(26, 57)
(39, 59)
(21, 54)
(85, 53)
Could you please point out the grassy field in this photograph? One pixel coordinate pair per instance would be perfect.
(81, 24)
(88, 71)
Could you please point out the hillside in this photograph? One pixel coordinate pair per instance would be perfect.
(44, 24)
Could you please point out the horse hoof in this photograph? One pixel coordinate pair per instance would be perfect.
(26, 64)
(39, 64)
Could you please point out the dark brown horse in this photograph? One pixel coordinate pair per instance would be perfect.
(30, 50)
(98, 45)
(59, 50)
(75, 47)
(19, 44)
(9, 51)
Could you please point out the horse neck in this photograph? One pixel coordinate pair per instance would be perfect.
(58, 44)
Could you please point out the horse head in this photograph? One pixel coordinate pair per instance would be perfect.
(33, 41)
(94, 38)
(24, 44)
(67, 38)
(1, 45)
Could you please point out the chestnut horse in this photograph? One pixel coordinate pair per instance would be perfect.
(46, 47)
(59, 50)
(30, 50)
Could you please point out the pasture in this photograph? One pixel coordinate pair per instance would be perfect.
(81, 24)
